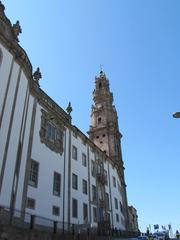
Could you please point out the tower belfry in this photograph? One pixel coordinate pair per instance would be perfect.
(104, 129)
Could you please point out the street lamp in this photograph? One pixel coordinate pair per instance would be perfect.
(176, 115)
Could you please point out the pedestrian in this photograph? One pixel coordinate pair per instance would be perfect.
(177, 234)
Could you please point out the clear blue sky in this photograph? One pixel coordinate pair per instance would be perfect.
(138, 44)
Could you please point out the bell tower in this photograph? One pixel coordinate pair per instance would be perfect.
(104, 129)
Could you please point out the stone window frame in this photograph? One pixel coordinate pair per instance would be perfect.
(94, 214)
(115, 203)
(52, 132)
(74, 208)
(107, 200)
(30, 203)
(94, 193)
(57, 184)
(55, 210)
(34, 173)
(114, 181)
(74, 181)
(74, 152)
(84, 186)
(1, 56)
(85, 212)
(93, 168)
(117, 217)
(84, 160)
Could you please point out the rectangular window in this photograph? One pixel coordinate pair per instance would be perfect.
(84, 184)
(84, 162)
(94, 214)
(85, 212)
(117, 217)
(57, 184)
(106, 177)
(74, 208)
(114, 181)
(93, 168)
(121, 207)
(55, 210)
(107, 200)
(119, 187)
(116, 203)
(30, 203)
(33, 176)
(74, 152)
(94, 194)
(74, 181)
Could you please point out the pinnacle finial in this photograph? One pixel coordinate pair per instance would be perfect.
(17, 29)
(69, 108)
(37, 75)
(101, 69)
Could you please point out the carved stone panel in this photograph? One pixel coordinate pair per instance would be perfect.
(52, 132)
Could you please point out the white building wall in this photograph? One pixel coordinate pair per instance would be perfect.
(14, 135)
(49, 162)
(115, 194)
(25, 143)
(7, 112)
(4, 73)
(82, 173)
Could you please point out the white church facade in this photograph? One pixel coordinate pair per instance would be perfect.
(48, 167)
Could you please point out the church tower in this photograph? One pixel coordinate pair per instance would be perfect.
(104, 129)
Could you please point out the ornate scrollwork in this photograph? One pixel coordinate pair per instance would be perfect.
(52, 132)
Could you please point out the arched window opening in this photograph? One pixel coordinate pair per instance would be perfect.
(99, 120)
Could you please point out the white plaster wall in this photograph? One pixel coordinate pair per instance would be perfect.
(82, 173)
(115, 194)
(49, 161)
(24, 155)
(4, 73)
(92, 182)
(13, 142)
(7, 112)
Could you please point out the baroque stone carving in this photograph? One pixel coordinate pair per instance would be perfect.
(52, 132)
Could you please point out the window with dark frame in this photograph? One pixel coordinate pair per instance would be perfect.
(94, 214)
(74, 181)
(33, 175)
(93, 168)
(57, 184)
(74, 152)
(107, 200)
(94, 193)
(114, 181)
(85, 212)
(55, 210)
(74, 208)
(117, 217)
(116, 203)
(84, 185)
(84, 162)
(30, 203)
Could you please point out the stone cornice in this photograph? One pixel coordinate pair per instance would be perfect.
(49, 104)
(10, 41)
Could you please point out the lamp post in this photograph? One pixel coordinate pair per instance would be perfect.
(176, 115)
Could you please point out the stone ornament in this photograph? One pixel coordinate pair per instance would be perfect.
(52, 132)
(17, 30)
